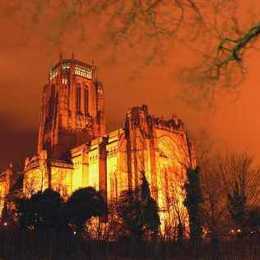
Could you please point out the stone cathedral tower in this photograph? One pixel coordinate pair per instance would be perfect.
(72, 111)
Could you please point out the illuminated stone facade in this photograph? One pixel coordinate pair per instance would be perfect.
(5, 183)
(74, 149)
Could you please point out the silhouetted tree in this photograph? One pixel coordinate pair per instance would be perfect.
(237, 205)
(230, 186)
(139, 211)
(193, 202)
(241, 179)
(83, 204)
(26, 213)
(150, 208)
(214, 211)
(42, 210)
(7, 217)
(180, 232)
(254, 219)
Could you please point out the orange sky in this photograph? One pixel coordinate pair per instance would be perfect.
(28, 49)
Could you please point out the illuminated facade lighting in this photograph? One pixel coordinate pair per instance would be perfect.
(75, 150)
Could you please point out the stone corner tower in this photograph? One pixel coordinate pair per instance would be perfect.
(72, 111)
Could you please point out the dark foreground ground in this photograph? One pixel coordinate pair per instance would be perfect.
(49, 245)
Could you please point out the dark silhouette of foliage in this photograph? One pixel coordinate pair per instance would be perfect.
(26, 213)
(7, 216)
(150, 208)
(139, 211)
(254, 219)
(237, 205)
(180, 232)
(193, 202)
(83, 204)
(42, 210)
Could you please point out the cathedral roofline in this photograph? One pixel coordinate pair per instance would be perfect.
(173, 123)
(74, 62)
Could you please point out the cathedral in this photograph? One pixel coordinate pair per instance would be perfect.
(75, 149)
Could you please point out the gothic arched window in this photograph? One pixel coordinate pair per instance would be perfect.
(51, 102)
(78, 99)
(86, 100)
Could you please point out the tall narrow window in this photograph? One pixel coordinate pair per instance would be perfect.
(85, 100)
(78, 99)
(166, 183)
(51, 101)
(69, 93)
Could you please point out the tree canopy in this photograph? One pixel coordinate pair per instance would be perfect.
(193, 203)
(139, 211)
(83, 204)
(42, 210)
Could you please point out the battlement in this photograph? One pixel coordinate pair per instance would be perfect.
(172, 124)
(140, 116)
(76, 67)
(36, 162)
